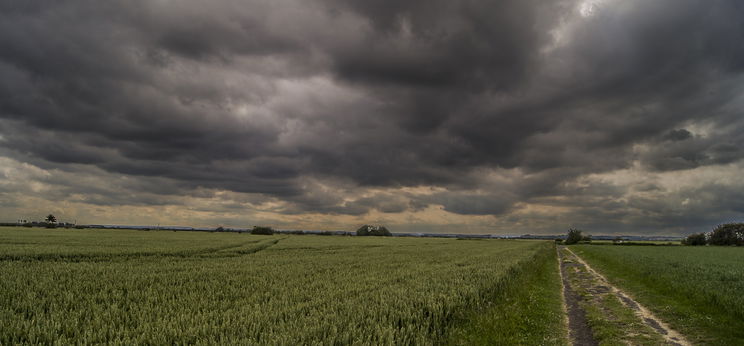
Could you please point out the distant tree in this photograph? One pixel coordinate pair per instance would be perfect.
(574, 236)
(220, 229)
(368, 230)
(262, 230)
(695, 239)
(51, 221)
(381, 231)
(727, 234)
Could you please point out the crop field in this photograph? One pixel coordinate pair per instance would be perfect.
(697, 290)
(122, 286)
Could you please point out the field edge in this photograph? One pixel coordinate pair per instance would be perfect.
(528, 308)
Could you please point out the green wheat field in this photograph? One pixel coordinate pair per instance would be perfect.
(91, 286)
(158, 287)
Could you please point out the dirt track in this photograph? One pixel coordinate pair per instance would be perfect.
(578, 330)
(583, 286)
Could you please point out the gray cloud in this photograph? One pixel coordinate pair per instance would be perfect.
(261, 98)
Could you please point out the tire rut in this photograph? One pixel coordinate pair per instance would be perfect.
(579, 331)
(671, 336)
(258, 248)
(75, 258)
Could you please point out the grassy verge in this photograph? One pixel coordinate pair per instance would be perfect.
(695, 290)
(528, 309)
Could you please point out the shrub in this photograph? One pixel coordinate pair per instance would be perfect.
(219, 229)
(262, 230)
(695, 239)
(368, 230)
(574, 236)
(727, 234)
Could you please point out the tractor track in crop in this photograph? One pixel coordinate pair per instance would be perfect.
(212, 252)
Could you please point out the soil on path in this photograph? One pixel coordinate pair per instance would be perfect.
(579, 331)
(588, 289)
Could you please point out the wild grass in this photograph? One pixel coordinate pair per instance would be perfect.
(697, 290)
(611, 321)
(527, 311)
(134, 287)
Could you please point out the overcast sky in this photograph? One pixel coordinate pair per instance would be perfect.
(467, 116)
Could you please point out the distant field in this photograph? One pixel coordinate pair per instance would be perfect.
(698, 290)
(636, 242)
(98, 286)
(87, 244)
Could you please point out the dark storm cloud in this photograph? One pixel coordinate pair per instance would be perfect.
(473, 204)
(692, 153)
(262, 97)
(678, 135)
(445, 44)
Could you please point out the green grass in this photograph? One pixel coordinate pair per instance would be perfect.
(528, 311)
(615, 324)
(636, 242)
(121, 286)
(697, 290)
(611, 322)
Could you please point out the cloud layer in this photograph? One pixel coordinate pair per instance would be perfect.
(474, 116)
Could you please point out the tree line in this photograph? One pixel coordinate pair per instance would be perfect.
(727, 234)
(366, 230)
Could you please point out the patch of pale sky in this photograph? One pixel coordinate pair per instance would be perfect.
(588, 8)
(728, 174)
(561, 33)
